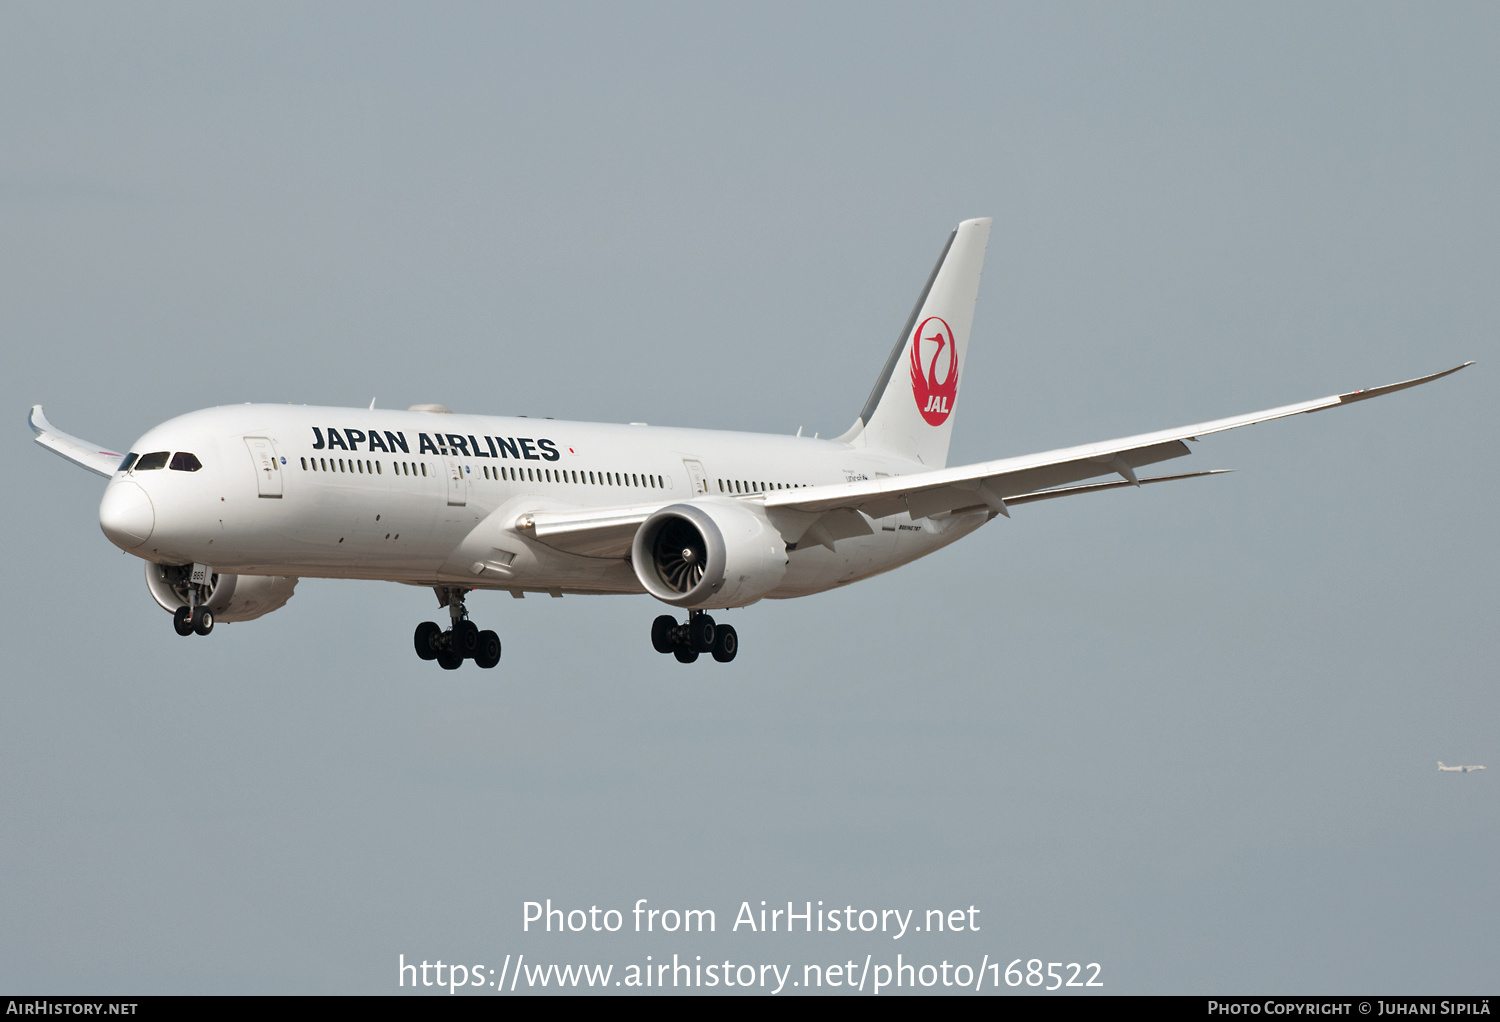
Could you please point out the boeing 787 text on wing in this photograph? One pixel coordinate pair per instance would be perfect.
(229, 506)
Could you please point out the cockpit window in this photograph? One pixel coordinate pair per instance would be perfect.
(156, 459)
(129, 460)
(182, 461)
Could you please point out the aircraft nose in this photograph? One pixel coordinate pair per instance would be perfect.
(126, 514)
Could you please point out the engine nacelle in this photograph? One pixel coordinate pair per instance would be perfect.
(708, 554)
(230, 597)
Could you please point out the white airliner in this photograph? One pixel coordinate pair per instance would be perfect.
(1457, 769)
(229, 506)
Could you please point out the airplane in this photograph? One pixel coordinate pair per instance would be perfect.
(228, 507)
(1457, 769)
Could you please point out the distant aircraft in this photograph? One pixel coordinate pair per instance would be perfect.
(1457, 769)
(228, 506)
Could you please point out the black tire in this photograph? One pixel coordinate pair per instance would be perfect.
(203, 620)
(465, 638)
(661, 634)
(701, 633)
(182, 621)
(488, 653)
(449, 660)
(726, 643)
(685, 656)
(426, 640)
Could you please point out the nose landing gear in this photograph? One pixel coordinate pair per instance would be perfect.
(197, 587)
(462, 641)
(699, 635)
(188, 620)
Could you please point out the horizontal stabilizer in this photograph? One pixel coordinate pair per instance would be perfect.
(1071, 491)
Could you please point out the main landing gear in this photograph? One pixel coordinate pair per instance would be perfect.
(462, 641)
(699, 635)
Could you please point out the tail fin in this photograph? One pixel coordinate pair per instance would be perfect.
(910, 411)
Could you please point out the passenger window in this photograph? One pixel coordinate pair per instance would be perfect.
(154, 460)
(128, 460)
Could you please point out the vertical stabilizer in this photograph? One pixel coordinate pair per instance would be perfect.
(910, 411)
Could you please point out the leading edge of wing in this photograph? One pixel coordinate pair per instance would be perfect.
(591, 532)
(78, 451)
(994, 481)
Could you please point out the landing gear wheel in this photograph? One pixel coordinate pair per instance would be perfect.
(426, 640)
(465, 638)
(488, 653)
(661, 633)
(203, 620)
(726, 643)
(685, 656)
(449, 660)
(182, 621)
(701, 633)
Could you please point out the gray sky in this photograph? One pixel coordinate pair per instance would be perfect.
(1188, 732)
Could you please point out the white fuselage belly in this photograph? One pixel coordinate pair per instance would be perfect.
(431, 513)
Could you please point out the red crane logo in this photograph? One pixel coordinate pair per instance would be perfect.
(934, 396)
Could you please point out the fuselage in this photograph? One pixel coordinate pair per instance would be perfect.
(434, 498)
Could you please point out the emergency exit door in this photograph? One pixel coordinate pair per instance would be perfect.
(458, 486)
(267, 465)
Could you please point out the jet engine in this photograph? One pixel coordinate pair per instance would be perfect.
(708, 554)
(230, 597)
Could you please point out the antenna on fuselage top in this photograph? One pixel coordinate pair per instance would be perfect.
(372, 404)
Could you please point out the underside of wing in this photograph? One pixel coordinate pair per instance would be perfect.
(591, 532)
(997, 484)
(80, 452)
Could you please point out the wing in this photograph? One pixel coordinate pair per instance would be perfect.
(592, 532)
(992, 484)
(79, 452)
(828, 513)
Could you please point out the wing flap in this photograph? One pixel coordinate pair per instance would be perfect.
(78, 451)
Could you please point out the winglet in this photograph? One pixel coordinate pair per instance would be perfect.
(79, 452)
(38, 422)
(1390, 388)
